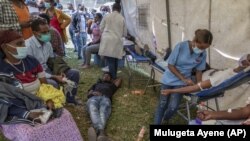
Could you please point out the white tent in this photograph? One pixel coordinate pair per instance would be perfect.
(163, 23)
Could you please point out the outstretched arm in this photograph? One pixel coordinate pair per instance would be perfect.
(118, 82)
(235, 114)
(189, 89)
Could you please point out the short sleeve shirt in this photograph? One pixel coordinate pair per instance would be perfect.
(221, 76)
(185, 61)
(31, 67)
(42, 52)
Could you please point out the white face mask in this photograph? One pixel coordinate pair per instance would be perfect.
(197, 50)
(22, 52)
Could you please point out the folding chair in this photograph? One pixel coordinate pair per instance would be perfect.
(133, 59)
(154, 67)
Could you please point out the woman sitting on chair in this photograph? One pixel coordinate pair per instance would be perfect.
(15, 102)
(14, 60)
(214, 80)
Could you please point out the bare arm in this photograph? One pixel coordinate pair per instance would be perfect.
(118, 82)
(176, 72)
(189, 89)
(66, 21)
(236, 114)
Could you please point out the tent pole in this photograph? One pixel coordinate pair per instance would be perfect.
(209, 27)
(168, 24)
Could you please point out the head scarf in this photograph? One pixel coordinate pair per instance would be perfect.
(7, 36)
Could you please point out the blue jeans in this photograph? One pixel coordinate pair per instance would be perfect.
(72, 36)
(99, 109)
(72, 75)
(168, 105)
(113, 65)
(81, 40)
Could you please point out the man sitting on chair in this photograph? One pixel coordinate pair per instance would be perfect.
(214, 80)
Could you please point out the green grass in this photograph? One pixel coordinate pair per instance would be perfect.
(129, 112)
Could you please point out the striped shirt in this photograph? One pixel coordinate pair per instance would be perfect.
(31, 67)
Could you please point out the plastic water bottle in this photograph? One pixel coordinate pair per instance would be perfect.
(195, 122)
(141, 134)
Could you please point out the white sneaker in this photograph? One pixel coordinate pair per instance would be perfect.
(105, 69)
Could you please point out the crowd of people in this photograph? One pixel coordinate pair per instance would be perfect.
(32, 46)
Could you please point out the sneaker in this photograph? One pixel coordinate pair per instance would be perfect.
(105, 69)
(91, 134)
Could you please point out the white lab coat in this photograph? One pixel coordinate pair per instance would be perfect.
(113, 28)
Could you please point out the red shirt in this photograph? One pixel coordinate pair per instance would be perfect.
(55, 23)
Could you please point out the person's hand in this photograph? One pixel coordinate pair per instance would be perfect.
(205, 115)
(96, 93)
(165, 92)
(89, 23)
(59, 78)
(246, 122)
(189, 82)
(50, 104)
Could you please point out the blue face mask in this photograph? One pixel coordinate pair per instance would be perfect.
(22, 52)
(47, 5)
(45, 37)
(197, 50)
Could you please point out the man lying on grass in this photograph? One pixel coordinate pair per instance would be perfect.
(99, 105)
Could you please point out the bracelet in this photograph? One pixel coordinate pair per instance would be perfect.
(199, 84)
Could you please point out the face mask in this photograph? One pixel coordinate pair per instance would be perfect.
(197, 50)
(47, 5)
(22, 52)
(45, 37)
